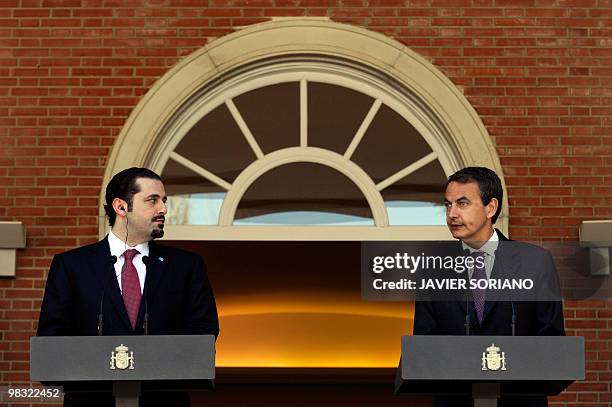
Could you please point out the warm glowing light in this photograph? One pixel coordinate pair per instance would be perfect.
(290, 330)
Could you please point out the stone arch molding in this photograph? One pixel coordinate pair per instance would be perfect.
(294, 49)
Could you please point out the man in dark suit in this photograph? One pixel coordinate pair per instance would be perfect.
(135, 284)
(473, 199)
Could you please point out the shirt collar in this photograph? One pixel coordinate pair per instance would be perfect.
(488, 248)
(118, 246)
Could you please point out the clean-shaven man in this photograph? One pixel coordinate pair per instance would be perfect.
(473, 200)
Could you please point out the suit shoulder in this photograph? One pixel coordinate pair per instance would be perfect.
(86, 250)
(526, 249)
(175, 252)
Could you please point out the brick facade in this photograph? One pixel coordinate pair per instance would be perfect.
(538, 72)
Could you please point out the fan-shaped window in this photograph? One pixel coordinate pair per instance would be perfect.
(305, 194)
(350, 126)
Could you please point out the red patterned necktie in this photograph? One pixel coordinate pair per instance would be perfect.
(130, 286)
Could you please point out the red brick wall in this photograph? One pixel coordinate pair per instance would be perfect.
(539, 72)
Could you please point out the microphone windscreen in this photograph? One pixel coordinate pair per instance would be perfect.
(145, 260)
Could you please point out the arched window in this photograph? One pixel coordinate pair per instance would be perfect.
(308, 129)
(324, 147)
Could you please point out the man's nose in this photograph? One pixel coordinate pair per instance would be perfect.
(451, 211)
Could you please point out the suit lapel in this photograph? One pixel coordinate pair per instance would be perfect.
(100, 262)
(467, 302)
(158, 262)
(507, 263)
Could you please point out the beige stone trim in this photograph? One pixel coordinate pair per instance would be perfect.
(244, 128)
(12, 237)
(306, 233)
(420, 163)
(365, 124)
(596, 233)
(177, 100)
(204, 173)
(303, 113)
(8, 262)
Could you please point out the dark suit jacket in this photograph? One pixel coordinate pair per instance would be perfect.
(519, 260)
(179, 297)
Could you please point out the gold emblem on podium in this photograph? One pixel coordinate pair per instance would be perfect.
(121, 359)
(492, 359)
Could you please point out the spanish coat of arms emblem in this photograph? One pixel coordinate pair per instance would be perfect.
(121, 359)
(492, 359)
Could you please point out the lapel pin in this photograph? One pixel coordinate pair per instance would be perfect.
(160, 259)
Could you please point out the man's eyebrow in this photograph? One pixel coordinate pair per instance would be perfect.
(153, 196)
(462, 198)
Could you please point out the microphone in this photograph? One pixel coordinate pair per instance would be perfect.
(513, 318)
(113, 260)
(467, 315)
(145, 324)
(466, 253)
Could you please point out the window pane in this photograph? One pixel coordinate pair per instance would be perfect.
(272, 113)
(303, 193)
(334, 115)
(192, 200)
(389, 145)
(216, 144)
(417, 199)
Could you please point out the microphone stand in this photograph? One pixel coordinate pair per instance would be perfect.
(113, 260)
(145, 324)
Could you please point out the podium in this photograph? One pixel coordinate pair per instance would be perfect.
(489, 367)
(127, 366)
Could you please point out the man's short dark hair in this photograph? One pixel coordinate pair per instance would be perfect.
(489, 184)
(123, 186)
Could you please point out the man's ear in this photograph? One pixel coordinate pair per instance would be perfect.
(120, 207)
(492, 207)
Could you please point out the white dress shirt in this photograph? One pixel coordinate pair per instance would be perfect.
(118, 247)
(488, 249)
